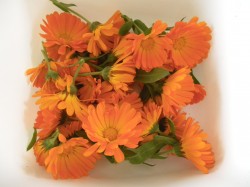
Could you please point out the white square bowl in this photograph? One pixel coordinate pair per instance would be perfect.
(223, 114)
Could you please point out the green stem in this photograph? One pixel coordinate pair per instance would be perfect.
(94, 66)
(79, 15)
(46, 58)
(81, 62)
(90, 73)
(65, 7)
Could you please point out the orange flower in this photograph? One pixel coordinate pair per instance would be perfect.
(63, 34)
(177, 91)
(67, 161)
(64, 100)
(47, 121)
(190, 43)
(195, 146)
(122, 74)
(150, 116)
(69, 129)
(90, 89)
(149, 51)
(199, 93)
(103, 36)
(134, 100)
(40, 152)
(110, 127)
(179, 121)
(38, 75)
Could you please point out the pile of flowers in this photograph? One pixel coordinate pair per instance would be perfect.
(117, 90)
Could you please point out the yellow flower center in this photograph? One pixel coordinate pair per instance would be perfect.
(147, 44)
(179, 43)
(65, 36)
(110, 133)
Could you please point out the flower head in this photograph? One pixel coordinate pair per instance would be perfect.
(103, 37)
(47, 121)
(40, 152)
(150, 116)
(122, 74)
(195, 146)
(199, 93)
(63, 34)
(148, 51)
(66, 161)
(177, 91)
(190, 43)
(110, 127)
(38, 75)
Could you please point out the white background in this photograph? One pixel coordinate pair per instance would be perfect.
(224, 114)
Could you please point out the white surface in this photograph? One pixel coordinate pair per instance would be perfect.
(224, 113)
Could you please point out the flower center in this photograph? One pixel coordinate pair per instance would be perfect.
(110, 133)
(65, 36)
(147, 44)
(179, 43)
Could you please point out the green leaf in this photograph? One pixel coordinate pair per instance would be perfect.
(33, 140)
(142, 26)
(125, 28)
(149, 149)
(136, 30)
(62, 6)
(152, 76)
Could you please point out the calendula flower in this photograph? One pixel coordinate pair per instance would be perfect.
(38, 74)
(66, 161)
(150, 116)
(103, 36)
(199, 93)
(195, 146)
(40, 152)
(190, 43)
(133, 99)
(148, 51)
(108, 94)
(64, 100)
(90, 89)
(63, 34)
(69, 129)
(47, 121)
(122, 74)
(110, 127)
(177, 91)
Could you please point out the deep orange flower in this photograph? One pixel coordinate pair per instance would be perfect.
(190, 43)
(38, 74)
(90, 89)
(110, 127)
(179, 121)
(149, 51)
(47, 121)
(150, 116)
(63, 33)
(199, 93)
(195, 146)
(64, 100)
(103, 36)
(133, 99)
(40, 152)
(66, 161)
(177, 91)
(122, 74)
(69, 129)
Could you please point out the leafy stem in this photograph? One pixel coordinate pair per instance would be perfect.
(66, 7)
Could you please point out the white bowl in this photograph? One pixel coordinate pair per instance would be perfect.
(223, 114)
